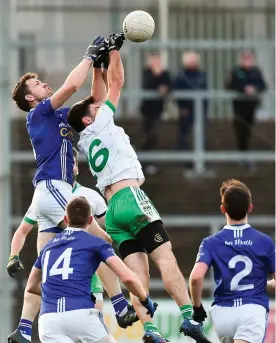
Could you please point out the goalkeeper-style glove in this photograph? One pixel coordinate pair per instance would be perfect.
(96, 47)
(115, 41)
(149, 305)
(199, 314)
(14, 266)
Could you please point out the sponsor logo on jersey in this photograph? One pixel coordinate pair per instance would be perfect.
(158, 238)
(63, 238)
(66, 132)
(239, 242)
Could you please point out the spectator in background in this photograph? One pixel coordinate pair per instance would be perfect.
(245, 79)
(154, 78)
(189, 78)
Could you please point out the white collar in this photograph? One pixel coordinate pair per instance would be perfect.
(74, 229)
(236, 227)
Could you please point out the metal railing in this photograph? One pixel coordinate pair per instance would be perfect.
(199, 156)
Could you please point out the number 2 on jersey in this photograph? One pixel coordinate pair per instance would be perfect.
(234, 284)
(64, 271)
(103, 153)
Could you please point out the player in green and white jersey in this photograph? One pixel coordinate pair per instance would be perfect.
(131, 219)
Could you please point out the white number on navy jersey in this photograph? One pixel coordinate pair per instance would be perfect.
(234, 285)
(65, 270)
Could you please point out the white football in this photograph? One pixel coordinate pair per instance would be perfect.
(138, 26)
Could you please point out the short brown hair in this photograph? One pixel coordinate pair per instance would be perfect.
(78, 111)
(78, 212)
(236, 198)
(20, 90)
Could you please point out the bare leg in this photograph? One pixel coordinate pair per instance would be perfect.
(138, 263)
(43, 238)
(172, 277)
(109, 279)
(31, 306)
(32, 302)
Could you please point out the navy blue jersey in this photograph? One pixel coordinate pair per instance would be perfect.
(51, 139)
(68, 263)
(242, 258)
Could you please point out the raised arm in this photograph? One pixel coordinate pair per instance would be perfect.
(98, 88)
(78, 75)
(115, 73)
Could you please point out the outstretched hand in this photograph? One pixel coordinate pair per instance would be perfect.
(95, 48)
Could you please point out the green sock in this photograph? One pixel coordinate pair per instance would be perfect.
(187, 311)
(150, 327)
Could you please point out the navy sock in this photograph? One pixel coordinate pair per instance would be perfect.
(120, 304)
(25, 328)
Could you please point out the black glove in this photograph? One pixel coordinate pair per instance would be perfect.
(115, 41)
(102, 59)
(149, 305)
(95, 48)
(14, 266)
(105, 61)
(199, 314)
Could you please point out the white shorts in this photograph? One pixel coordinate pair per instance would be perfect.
(245, 322)
(49, 200)
(85, 326)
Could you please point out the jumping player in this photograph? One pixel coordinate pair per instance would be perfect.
(98, 210)
(62, 274)
(51, 139)
(242, 258)
(131, 220)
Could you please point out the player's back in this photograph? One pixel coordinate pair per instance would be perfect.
(109, 153)
(242, 258)
(68, 263)
(51, 139)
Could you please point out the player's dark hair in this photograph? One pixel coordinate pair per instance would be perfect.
(78, 111)
(236, 198)
(78, 212)
(21, 90)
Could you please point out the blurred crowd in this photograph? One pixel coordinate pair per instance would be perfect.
(245, 79)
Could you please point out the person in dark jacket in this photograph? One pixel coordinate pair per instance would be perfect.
(246, 79)
(189, 78)
(154, 78)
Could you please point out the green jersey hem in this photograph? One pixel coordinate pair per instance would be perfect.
(110, 105)
(29, 221)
